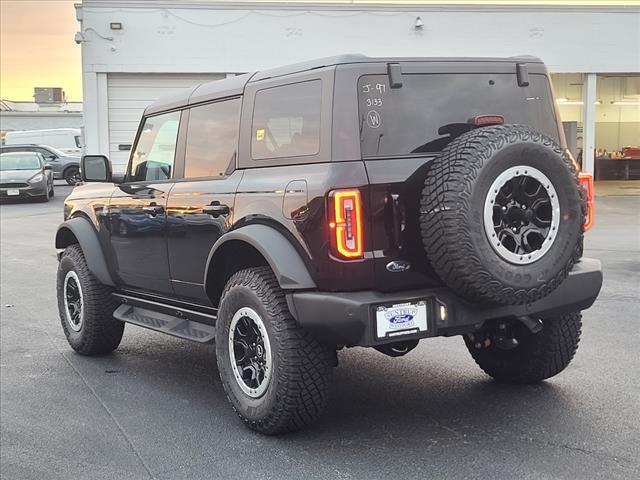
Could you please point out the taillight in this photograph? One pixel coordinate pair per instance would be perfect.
(345, 223)
(485, 120)
(586, 183)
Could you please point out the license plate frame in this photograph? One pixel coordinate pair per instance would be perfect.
(13, 192)
(406, 318)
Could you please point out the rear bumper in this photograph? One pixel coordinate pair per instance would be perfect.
(350, 318)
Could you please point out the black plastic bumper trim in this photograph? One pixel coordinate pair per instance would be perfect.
(348, 318)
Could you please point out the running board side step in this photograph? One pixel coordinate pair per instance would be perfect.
(168, 319)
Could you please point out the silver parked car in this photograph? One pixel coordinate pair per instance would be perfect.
(25, 175)
(64, 165)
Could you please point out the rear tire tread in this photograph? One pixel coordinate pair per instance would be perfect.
(305, 364)
(552, 349)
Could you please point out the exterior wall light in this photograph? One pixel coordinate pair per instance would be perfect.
(115, 25)
(419, 25)
(566, 101)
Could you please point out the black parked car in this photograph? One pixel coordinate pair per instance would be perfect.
(344, 202)
(64, 166)
(25, 175)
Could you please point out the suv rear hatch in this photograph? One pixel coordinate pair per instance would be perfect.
(404, 128)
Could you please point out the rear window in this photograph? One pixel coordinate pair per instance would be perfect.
(430, 110)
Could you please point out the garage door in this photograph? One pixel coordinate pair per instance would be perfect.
(129, 94)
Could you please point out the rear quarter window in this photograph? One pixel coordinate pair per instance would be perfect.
(286, 121)
(430, 110)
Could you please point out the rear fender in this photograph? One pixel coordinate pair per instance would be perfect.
(277, 250)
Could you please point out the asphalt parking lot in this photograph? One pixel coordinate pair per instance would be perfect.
(156, 409)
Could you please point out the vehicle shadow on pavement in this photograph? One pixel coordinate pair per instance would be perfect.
(372, 395)
(433, 400)
(424, 415)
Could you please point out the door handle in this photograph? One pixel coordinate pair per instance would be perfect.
(153, 209)
(216, 209)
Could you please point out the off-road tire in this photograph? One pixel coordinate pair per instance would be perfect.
(538, 355)
(100, 333)
(301, 365)
(452, 210)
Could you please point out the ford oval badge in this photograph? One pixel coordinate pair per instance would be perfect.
(398, 266)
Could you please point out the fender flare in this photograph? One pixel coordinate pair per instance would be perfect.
(87, 237)
(286, 263)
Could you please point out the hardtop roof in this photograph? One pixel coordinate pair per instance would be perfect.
(232, 86)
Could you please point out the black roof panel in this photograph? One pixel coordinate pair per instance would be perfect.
(231, 86)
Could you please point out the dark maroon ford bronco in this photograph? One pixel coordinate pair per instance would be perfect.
(349, 201)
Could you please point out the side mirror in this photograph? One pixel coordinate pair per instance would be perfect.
(95, 168)
(48, 167)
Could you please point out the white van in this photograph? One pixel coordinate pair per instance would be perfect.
(66, 139)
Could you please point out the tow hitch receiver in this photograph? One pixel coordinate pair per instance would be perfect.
(502, 333)
(533, 324)
(397, 349)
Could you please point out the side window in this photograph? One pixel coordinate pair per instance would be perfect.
(286, 121)
(212, 138)
(45, 153)
(155, 151)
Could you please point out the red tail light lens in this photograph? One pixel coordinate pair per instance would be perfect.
(586, 183)
(345, 223)
(485, 120)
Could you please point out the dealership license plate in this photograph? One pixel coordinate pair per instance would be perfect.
(13, 192)
(401, 319)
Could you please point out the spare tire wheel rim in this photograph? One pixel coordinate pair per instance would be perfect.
(73, 300)
(521, 215)
(250, 352)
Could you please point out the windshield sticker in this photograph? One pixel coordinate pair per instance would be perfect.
(260, 134)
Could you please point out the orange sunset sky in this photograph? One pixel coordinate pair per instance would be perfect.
(37, 48)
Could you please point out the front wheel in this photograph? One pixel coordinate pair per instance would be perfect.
(45, 197)
(275, 374)
(510, 352)
(72, 175)
(86, 306)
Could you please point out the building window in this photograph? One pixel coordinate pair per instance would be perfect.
(617, 122)
(212, 138)
(286, 121)
(155, 151)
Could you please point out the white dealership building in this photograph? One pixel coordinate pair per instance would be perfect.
(134, 52)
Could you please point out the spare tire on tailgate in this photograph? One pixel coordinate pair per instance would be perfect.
(502, 215)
